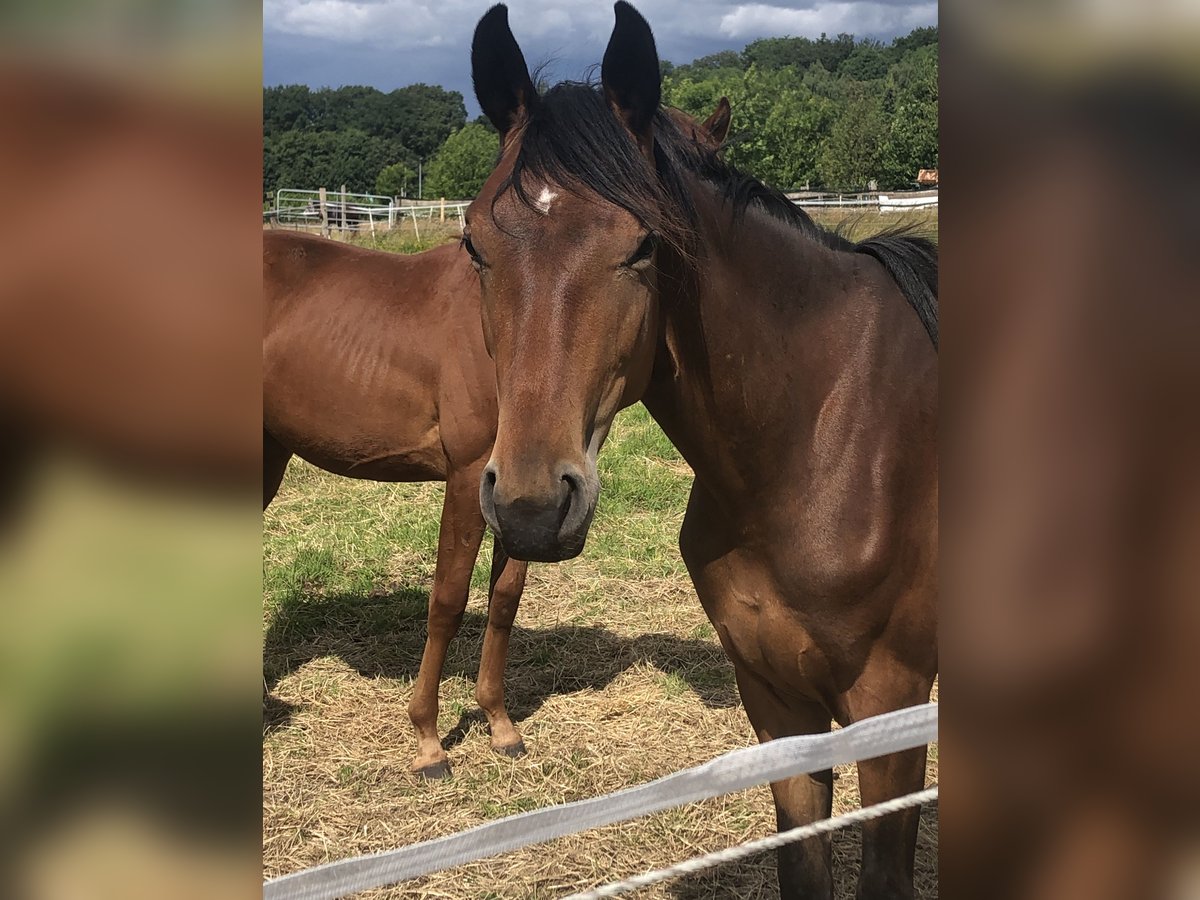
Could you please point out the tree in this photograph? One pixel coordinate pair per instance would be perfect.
(463, 163)
(329, 159)
(393, 180)
(780, 124)
(425, 116)
(832, 111)
(799, 52)
(853, 154)
(912, 105)
(287, 108)
(866, 63)
(915, 39)
(698, 94)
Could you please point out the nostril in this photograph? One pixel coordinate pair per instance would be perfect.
(487, 495)
(574, 482)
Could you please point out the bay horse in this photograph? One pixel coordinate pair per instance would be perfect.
(795, 370)
(374, 366)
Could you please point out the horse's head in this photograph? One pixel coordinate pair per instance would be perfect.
(565, 235)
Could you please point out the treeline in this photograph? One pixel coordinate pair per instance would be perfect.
(354, 135)
(835, 113)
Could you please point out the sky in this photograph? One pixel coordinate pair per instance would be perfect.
(391, 43)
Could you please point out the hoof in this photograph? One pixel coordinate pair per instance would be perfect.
(435, 772)
(512, 750)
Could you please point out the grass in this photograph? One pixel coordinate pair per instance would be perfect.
(858, 223)
(401, 239)
(615, 678)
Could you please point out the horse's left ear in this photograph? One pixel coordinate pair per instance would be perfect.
(630, 74)
(717, 125)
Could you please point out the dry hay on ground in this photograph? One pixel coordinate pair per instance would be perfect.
(615, 678)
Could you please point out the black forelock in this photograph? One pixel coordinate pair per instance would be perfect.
(573, 139)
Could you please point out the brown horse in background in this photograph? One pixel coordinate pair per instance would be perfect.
(374, 366)
(796, 372)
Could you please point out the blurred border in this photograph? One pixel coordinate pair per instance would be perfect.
(1071, 511)
(130, 534)
(129, 397)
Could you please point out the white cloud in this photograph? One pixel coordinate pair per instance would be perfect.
(757, 19)
(572, 24)
(391, 23)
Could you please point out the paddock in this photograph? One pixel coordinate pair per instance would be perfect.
(615, 678)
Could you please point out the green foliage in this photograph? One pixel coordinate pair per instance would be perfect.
(462, 165)
(866, 63)
(329, 159)
(912, 107)
(778, 125)
(915, 39)
(419, 117)
(393, 180)
(854, 152)
(799, 52)
(831, 112)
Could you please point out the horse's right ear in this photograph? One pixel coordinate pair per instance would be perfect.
(502, 84)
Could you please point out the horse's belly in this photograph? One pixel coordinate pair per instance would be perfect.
(381, 441)
(430, 466)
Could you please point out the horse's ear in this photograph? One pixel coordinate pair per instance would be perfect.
(630, 74)
(502, 84)
(717, 125)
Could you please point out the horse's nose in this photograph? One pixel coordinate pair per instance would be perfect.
(541, 519)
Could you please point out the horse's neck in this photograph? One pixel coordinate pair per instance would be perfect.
(754, 348)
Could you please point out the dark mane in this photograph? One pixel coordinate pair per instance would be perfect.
(572, 139)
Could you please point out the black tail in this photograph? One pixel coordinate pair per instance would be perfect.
(913, 263)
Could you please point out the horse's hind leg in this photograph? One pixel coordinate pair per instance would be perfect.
(507, 583)
(889, 844)
(275, 460)
(458, 544)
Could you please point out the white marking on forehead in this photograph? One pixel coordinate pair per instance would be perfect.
(545, 198)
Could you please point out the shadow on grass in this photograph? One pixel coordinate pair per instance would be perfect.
(382, 634)
(755, 876)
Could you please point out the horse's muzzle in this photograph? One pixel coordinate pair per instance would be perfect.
(545, 522)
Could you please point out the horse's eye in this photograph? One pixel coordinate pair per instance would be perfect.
(644, 251)
(471, 251)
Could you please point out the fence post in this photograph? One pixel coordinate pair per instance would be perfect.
(343, 210)
(443, 209)
(321, 201)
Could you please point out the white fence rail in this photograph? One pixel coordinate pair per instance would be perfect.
(868, 199)
(904, 200)
(345, 211)
(892, 732)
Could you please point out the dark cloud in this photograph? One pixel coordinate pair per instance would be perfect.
(391, 43)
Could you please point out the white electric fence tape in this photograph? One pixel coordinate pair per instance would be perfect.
(891, 732)
(771, 842)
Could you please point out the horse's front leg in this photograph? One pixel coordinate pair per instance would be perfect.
(458, 545)
(507, 583)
